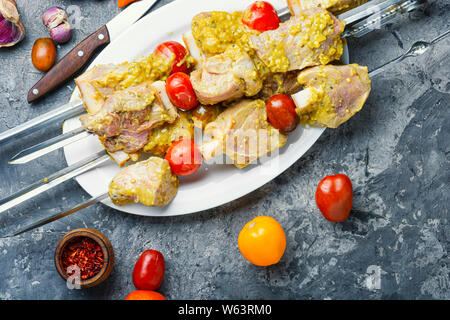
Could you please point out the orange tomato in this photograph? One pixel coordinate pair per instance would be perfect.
(145, 295)
(43, 54)
(262, 241)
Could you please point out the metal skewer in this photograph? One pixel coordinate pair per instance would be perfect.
(416, 49)
(378, 19)
(49, 145)
(60, 215)
(367, 9)
(377, 13)
(66, 111)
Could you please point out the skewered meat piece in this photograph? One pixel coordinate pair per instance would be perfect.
(127, 116)
(331, 94)
(243, 133)
(225, 77)
(215, 31)
(334, 6)
(237, 80)
(93, 94)
(161, 137)
(150, 182)
(310, 38)
(107, 121)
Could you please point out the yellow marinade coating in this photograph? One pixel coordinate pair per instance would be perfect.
(339, 6)
(150, 68)
(320, 109)
(277, 60)
(133, 100)
(161, 137)
(315, 29)
(310, 38)
(215, 31)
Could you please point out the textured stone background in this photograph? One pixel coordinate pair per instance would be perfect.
(396, 151)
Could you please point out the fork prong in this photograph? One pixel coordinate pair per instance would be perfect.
(378, 19)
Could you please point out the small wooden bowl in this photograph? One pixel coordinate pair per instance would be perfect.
(108, 256)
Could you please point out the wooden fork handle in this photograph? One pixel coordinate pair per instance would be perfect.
(70, 64)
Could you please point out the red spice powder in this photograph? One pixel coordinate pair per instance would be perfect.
(84, 253)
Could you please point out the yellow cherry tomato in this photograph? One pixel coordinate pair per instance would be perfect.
(262, 241)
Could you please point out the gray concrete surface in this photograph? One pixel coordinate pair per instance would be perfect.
(396, 151)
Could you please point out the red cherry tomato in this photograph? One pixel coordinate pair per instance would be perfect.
(334, 197)
(184, 157)
(281, 113)
(180, 91)
(174, 50)
(148, 272)
(261, 16)
(145, 295)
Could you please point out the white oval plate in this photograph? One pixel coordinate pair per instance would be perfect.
(213, 185)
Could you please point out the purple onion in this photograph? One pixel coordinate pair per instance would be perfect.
(8, 31)
(56, 21)
(54, 16)
(11, 28)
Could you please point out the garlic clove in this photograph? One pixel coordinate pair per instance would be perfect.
(56, 21)
(12, 29)
(53, 17)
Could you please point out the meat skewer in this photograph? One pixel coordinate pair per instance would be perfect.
(243, 133)
(418, 48)
(65, 139)
(236, 64)
(331, 95)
